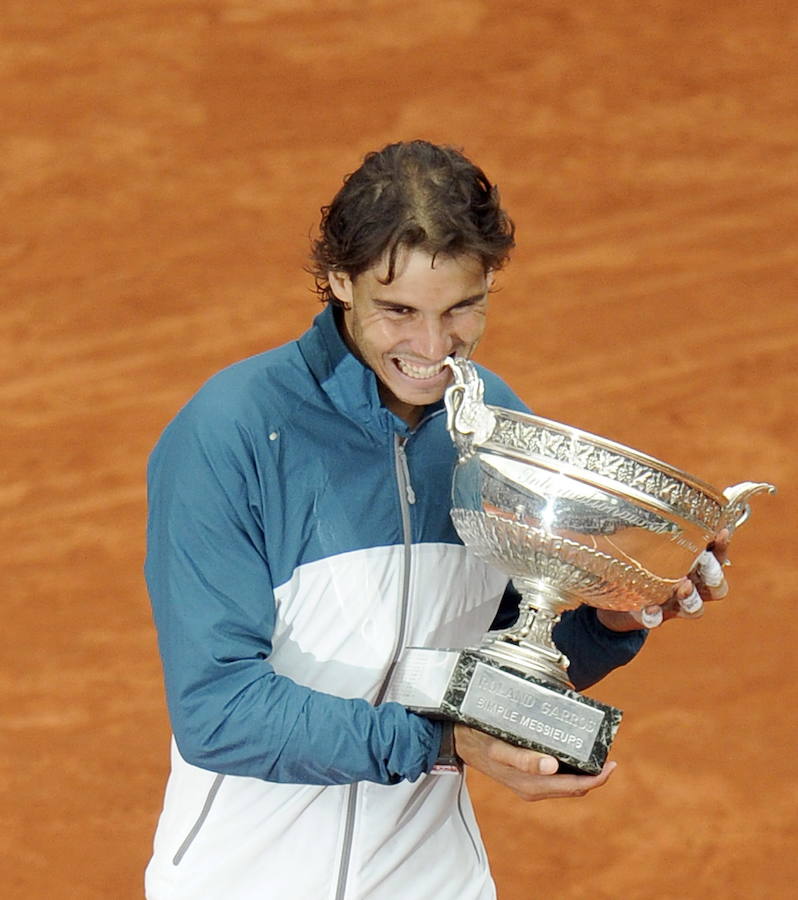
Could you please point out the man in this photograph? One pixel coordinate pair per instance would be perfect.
(299, 538)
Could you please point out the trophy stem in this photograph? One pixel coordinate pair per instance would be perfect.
(527, 646)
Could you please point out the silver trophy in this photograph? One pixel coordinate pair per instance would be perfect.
(570, 518)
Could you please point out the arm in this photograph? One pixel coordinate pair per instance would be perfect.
(210, 584)
(593, 649)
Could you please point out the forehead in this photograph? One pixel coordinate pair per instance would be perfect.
(419, 274)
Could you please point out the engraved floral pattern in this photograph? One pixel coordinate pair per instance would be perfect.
(535, 439)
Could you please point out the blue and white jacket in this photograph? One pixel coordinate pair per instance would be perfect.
(298, 538)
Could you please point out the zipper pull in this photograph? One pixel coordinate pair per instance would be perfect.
(409, 492)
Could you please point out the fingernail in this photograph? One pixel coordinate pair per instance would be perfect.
(547, 765)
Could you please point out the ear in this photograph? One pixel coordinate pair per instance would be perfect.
(490, 278)
(341, 286)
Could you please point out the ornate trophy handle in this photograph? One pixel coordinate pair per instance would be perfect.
(468, 420)
(737, 509)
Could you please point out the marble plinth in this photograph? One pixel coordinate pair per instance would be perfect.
(469, 687)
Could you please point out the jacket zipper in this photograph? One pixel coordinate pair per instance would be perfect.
(407, 497)
(403, 479)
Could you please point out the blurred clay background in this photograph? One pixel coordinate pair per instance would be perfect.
(162, 165)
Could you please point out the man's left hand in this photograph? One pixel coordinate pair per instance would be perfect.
(704, 584)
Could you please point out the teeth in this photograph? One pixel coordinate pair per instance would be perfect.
(418, 371)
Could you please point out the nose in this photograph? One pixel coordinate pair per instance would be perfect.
(433, 339)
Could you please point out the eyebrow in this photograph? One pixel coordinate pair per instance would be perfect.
(466, 301)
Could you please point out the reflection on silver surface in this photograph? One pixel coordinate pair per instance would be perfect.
(573, 518)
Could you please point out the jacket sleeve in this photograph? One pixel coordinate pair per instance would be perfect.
(593, 650)
(209, 581)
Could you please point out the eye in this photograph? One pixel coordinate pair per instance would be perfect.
(468, 306)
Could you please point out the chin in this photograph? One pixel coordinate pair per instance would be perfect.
(422, 398)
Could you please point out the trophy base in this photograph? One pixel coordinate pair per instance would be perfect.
(471, 687)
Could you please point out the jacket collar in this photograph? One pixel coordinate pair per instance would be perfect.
(350, 386)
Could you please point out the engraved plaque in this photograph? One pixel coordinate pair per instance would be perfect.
(529, 710)
(470, 687)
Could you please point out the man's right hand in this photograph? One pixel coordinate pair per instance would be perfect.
(530, 775)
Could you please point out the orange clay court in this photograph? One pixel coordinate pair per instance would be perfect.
(162, 165)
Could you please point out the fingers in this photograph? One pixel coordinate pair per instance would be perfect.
(650, 617)
(534, 776)
(720, 546)
(709, 582)
(563, 787)
(706, 582)
(710, 573)
(528, 761)
(529, 774)
(685, 603)
(691, 606)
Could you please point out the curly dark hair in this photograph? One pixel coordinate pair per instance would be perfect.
(410, 195)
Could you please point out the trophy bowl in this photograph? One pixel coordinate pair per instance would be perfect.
(573, 518)
(570, 518)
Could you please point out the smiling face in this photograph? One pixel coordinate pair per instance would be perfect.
(404, 330)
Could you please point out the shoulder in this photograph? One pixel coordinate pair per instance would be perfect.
(252, 384)
(237, 404)
(247, 391)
